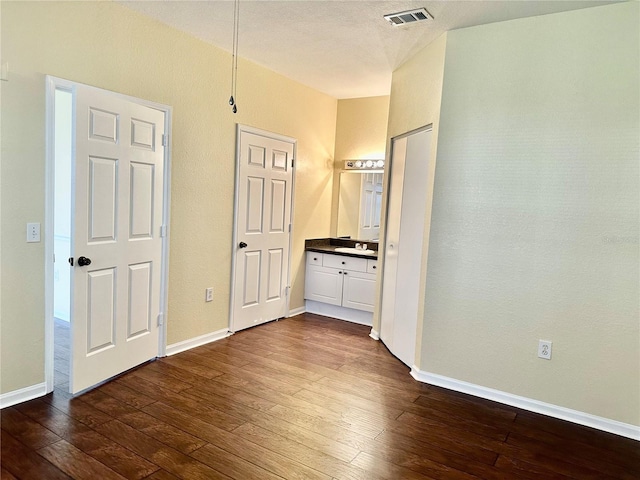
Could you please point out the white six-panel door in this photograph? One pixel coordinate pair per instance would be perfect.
(116, 224)
(263, 218)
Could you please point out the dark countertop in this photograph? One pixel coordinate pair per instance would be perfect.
(328, 245)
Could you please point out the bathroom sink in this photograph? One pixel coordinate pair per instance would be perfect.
(357, 251)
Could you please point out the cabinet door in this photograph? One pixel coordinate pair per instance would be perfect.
(323, 284)
(358, 290)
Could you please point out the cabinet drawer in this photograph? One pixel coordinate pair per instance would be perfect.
(348, 263)
(314, 258)
(372, 266)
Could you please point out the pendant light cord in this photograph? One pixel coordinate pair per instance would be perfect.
(234, 56)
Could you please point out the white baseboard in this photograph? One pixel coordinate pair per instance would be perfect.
(24, 394)
(375, 335)
(296, 311)
(197, 341)
(575, 416)
(341, 313)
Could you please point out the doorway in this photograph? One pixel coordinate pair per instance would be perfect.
(63, 145)
(404, 241)
(106, 233)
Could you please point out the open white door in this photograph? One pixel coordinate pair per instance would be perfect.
(116, 217)
(406, 212)
(263, 228)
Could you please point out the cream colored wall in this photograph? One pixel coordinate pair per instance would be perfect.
(361, 129)
(109, 46)
(416, 91)
(534, 230)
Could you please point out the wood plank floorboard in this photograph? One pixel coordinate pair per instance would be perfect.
(302, 398)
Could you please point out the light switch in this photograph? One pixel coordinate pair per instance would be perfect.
(33, 232)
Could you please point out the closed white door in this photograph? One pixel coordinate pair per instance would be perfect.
(116, 217)
(263, 228)
(406, 211)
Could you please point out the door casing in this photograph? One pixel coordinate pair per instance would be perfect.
(52, 84)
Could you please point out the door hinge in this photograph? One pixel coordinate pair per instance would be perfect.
(163, 231)
(165, 139)
(293, 161)
(160, 319)
(289, 228)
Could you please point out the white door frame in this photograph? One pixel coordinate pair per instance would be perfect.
(265, 133)
(52, 84)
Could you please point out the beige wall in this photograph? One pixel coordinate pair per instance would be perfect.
(109, 46)
(534, 231)
(416, 91)
(361, 132)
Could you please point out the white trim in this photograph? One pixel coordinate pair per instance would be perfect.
(51, 85)
(374, 334)
(24, 394)
(166, 225)
(341, 313)
(49, 192)
(574, 416)
(296, 311)
(197, 341)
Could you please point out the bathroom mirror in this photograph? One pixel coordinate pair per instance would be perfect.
(359, 205)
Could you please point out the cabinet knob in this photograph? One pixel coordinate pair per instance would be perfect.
(343, 263)
(374, 267)
(344, 273)
(339, 273)
(315, 259)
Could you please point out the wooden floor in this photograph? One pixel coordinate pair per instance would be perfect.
(307, 397)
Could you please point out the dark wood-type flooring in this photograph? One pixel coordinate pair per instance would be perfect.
(303, 398)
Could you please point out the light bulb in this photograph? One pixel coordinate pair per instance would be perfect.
(369, 164)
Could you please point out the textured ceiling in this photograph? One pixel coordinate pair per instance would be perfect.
(343, 48)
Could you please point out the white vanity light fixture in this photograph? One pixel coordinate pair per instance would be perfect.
(365, 166)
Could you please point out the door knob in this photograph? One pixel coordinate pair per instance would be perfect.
(242, 245)
(83, 261)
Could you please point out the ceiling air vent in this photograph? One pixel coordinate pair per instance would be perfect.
(410, 16)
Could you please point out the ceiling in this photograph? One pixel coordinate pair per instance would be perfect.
(343, 48)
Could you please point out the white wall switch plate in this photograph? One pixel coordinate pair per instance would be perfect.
(33, 232)
(208, 294)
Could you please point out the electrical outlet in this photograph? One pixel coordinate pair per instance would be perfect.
(544, 349)
(208, 297)
(33, 232)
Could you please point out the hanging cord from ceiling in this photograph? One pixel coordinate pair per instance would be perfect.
(234, 57)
